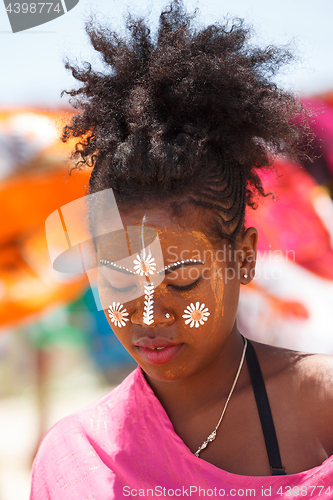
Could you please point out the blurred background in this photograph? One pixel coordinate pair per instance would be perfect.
(57, 352)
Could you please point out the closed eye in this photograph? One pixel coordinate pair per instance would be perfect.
(122, 290)
(186, 287)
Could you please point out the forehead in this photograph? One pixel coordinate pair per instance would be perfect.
(182, 233)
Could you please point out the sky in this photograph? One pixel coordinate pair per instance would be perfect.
(32, 67)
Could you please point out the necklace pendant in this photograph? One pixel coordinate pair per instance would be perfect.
(202, 447)
(212, 436)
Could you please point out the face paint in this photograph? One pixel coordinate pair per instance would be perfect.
(192, 273)
(178, 263)
(118, 314)
(144, 265)
(217, 286)
(148, 314)
(107, 262)
(196, 315)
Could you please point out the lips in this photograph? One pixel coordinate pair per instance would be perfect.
(154, 343)
(157, 351)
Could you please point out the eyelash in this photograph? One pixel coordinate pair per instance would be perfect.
(121, 290)
(176, 287)
(187, 287)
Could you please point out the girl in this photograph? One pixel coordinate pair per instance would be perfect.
(178, 127)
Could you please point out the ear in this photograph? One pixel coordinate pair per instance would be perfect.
(248, 245)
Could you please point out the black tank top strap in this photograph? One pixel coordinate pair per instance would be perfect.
(264, 410)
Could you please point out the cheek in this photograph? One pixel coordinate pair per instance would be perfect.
(119, 318)
(200, 311)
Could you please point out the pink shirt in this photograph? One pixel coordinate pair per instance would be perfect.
(124, 446)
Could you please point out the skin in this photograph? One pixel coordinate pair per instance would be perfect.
(194, 385)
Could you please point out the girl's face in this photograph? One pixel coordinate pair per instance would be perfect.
(152, 327)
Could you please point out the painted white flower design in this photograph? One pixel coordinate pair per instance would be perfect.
(196, 314)
(144, 266)
(118, 314)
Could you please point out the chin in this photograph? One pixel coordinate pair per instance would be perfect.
(165, 374)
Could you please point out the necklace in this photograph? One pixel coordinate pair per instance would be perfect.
(212, 436)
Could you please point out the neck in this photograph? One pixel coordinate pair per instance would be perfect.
(187, 396)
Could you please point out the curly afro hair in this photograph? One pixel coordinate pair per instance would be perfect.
(185, 117)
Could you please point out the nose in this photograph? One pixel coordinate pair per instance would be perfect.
(152, 309)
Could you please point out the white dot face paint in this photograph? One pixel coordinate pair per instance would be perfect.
(196, 315)
(148, 310)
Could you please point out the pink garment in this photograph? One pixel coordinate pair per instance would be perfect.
(124, 446)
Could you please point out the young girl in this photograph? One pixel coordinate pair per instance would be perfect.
(178, 127)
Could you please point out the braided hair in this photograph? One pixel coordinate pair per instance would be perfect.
(185, 117)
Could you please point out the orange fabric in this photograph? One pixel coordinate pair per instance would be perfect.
(27, 285)
(27, 197)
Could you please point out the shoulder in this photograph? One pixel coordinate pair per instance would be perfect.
(311, 374)
(315, 378)
(303, 383)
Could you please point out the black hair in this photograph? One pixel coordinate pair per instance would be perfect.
(185, 117)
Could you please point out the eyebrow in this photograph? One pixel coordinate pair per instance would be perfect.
(176, 265)
(167, 270)
(117, 268)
